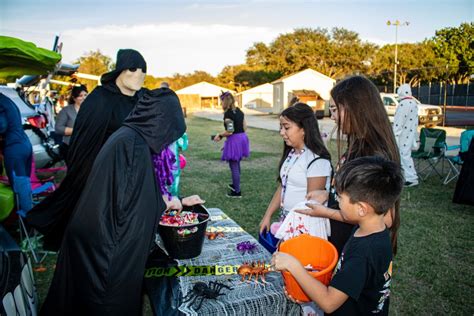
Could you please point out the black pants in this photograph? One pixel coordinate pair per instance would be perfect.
(63, 149)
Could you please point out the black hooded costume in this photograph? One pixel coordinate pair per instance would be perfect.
(464, 192)
(101, 114)
(102, 259)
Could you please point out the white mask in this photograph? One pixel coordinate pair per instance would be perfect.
(130, 82)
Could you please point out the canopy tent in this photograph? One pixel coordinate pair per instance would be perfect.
(18, 58)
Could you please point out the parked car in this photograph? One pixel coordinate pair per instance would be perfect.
(35, 123)
(429, 115)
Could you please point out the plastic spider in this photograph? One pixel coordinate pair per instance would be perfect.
(214, 235)
(246, 247)
(203, 291)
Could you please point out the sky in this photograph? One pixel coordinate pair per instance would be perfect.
(182, 36)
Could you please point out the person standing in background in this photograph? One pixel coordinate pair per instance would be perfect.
(405, 124)
(67, 116)
(237, 144)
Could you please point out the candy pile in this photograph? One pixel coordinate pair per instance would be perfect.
(174, 218)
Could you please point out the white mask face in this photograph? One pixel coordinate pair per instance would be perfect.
(131, 80)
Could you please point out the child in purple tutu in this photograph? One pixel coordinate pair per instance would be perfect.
(237, 145)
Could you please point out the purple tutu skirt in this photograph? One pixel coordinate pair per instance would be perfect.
(236, 147)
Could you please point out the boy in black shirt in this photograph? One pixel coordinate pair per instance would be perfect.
(360, 285)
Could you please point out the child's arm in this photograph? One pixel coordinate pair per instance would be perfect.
(316, 183)
(319, 210)
(328, 298)
(219, 136)
(272, 207)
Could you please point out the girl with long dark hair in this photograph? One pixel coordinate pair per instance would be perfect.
(360, 115)
(304, 165)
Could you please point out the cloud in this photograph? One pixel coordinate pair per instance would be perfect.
(171, 48)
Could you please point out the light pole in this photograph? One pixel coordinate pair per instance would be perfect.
(396, 23)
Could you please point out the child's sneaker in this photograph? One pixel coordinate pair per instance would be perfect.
(233, 194)
(411, 184)
(231, 187)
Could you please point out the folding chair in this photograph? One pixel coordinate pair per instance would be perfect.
(455, 162)
(31, 240)
(431, 150)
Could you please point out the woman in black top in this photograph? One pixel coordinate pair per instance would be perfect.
(237, 145)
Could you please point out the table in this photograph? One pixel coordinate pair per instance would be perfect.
(166, 292)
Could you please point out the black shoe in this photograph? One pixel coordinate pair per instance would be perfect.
(411, 184)
(231, 187)
(233, 194)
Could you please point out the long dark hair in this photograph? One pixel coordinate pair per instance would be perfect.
(368, 130)
(302, 115)
(75, 92)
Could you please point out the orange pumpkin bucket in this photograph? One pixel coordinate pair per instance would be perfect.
(309, 250)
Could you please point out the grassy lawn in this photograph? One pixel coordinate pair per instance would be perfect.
(433, 272)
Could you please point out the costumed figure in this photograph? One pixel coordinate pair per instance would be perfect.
(17, 151)
(405, 125)
(101, 114)
(464, 192)
(180, 162)
(237, 145)
(102, 259)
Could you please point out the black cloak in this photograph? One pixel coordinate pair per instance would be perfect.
(101, 114)
(102, 258)
(464, 192)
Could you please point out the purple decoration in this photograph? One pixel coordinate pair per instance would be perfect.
(246, 246)
(165, 164)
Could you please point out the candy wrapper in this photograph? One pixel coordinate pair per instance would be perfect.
(296, 224)
(173, 218)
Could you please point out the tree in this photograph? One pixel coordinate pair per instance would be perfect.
(456, 46)
(417, 64)
(258, 55)
(94, 63)
(336, 54)
(349, 55)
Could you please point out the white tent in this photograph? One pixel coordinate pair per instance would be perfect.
(307, 80)
(257, 97)
(208, 93)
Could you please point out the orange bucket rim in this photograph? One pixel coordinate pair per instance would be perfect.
(325, 270)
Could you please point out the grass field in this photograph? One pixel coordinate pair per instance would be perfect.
(433, 271)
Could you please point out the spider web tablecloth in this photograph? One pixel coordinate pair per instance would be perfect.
(244, 298)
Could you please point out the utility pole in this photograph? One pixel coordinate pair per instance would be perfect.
(396, 23)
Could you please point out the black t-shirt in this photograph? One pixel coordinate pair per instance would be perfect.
(364, 273)
(237, 116)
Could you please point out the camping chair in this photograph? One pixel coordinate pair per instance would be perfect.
(455, 162)
(431, 150)
(30, 240)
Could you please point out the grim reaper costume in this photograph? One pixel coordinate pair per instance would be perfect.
(405, 123)
(101, 114)
(102, 258)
